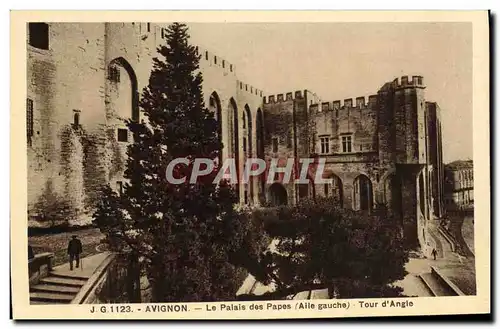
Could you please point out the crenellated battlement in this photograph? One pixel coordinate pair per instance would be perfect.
(159, 33)
(283, 97)
(360, 102)
(215, 61)
(405, 81)
(248, 88)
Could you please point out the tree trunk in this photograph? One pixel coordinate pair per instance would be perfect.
(133, 279)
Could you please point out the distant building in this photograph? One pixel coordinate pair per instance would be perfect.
(459, 185)
(85, 78)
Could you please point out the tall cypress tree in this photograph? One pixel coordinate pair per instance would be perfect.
(183, 234)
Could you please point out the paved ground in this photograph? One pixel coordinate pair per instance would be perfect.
(459, 269)
(468, 232)
(453, 266)
(88, 266)
(252, 286)
(62, 285)
(57, 243)
(412, 285)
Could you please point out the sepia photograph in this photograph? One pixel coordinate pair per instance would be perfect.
(267, 166)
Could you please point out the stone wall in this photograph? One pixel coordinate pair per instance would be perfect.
(280, 134)
(64, 80)
(79, 105)
(71, 81)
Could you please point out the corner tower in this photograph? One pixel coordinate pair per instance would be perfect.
(410, 153)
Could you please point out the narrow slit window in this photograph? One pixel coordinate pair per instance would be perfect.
(76, 119)
(275, 144)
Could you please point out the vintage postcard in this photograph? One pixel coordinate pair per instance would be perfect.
(249, 165)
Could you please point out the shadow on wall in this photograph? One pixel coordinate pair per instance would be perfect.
(88, 161)
(51, 209)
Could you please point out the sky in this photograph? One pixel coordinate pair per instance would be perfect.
(347, 60)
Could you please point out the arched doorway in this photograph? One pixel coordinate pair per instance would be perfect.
(421, 193)
(363, 193)
(392, 195)
(278, 195)
(337, 191)
(233, 140)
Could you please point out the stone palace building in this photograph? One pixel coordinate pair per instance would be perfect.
(84, 78)
(459, 185)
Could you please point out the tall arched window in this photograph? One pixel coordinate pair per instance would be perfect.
(233, 135)
(124, 97)
(259, 121)
(215, 107)
(247, 145)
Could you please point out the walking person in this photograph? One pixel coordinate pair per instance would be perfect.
(74, 251)
(434, 253)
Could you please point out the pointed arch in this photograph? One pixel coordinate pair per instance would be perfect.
(113, 75)
(247, 148)
(259, 131)
(392, 194)
(421, 192)
(336, 188)
(278, 195)
(247, 125)
(214, 105)
(233, 138)
(362, 193)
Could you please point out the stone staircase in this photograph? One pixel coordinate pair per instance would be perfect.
(433, 285)
(437, 285)
(56, 289)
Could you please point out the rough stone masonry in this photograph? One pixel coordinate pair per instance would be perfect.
(85, 78)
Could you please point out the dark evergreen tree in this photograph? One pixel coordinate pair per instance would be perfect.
(182, 234)
(318, 245)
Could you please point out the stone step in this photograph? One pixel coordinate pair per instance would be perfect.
(424, 287)
(434, 285)
(63, 281)
(55, 288)
(51, 297)
(69, 276)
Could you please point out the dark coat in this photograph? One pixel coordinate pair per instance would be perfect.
(74, 247)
